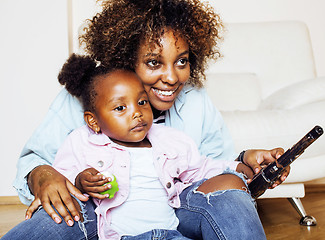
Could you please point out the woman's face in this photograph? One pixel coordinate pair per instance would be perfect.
(164, 69)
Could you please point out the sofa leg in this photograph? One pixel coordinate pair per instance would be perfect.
(305, 219)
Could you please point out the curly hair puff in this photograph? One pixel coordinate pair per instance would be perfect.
(79, 75)
(114, 35)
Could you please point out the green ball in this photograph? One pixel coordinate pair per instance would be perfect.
(113, 183)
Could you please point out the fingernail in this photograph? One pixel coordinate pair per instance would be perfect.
(26, 217)
(70, 222)
(76, 218)
(57, 220)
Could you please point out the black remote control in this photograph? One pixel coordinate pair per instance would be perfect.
(268, 175)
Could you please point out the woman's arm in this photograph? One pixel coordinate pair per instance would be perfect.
(65, 114)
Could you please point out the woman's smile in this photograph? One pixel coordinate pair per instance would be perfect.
(165, 95)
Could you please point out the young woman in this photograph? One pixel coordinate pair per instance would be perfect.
(167, 43)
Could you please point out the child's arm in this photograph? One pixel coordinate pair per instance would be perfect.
(92, 182)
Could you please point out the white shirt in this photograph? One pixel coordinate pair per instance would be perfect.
(147, 202)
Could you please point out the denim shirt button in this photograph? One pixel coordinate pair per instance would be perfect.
(168, 185)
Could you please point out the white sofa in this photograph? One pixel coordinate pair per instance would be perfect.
(268, 92)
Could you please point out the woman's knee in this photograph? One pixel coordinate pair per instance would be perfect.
(222, 182)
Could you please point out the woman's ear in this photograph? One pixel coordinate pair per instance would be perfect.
(91, 121)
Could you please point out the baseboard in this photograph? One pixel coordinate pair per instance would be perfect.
(9, 200)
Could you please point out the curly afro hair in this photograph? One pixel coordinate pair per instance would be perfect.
(79, 75)
(114, 35)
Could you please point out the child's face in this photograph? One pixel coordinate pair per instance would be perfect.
(164, 70)
(123, 111)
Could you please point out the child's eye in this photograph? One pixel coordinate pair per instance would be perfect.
(152, 63)
(119, 108)
(143, 102)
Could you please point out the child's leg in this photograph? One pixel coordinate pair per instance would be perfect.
(219, 208)
(41, 226)
(157, 234)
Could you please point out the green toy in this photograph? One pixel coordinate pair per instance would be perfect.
(113, 183)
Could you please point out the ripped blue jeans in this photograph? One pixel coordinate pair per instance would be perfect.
(41, 226)
(225, 214)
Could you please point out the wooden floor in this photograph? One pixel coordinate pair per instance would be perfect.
(281, 221)
(279, 218)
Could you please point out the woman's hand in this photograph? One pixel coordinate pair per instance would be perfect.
(257, 159)
(51, 187)
(244, 169)
(92, 182)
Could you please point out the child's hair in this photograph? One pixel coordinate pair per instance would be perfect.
(114, 35)
(79, 75)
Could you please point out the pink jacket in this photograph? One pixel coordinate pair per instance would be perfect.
(176, 159)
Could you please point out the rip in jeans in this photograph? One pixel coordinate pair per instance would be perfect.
(220, 192)
(83, 211)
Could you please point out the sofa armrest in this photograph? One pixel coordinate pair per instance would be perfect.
(295, 95)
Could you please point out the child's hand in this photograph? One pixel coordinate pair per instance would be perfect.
(247, 171)
(91, 181)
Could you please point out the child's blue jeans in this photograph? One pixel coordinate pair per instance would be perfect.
(228, 214)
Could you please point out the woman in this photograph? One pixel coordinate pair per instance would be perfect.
(167, 43)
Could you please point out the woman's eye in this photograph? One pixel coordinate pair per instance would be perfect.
(182, 62)
(119, 108)
(143, 102)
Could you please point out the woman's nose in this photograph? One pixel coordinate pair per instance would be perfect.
(170, 76)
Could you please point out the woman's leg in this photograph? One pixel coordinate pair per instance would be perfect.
(219, 208)
(41, 226)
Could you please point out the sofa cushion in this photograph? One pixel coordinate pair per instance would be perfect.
(234, 91)
(295, 95)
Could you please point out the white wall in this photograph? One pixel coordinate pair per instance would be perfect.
(34, 45)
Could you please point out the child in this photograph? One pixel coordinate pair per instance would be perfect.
(152, 163)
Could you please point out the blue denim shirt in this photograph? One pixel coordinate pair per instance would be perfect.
(193, 113)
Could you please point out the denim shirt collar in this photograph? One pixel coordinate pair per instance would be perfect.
(173, 116)
(180, 99)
